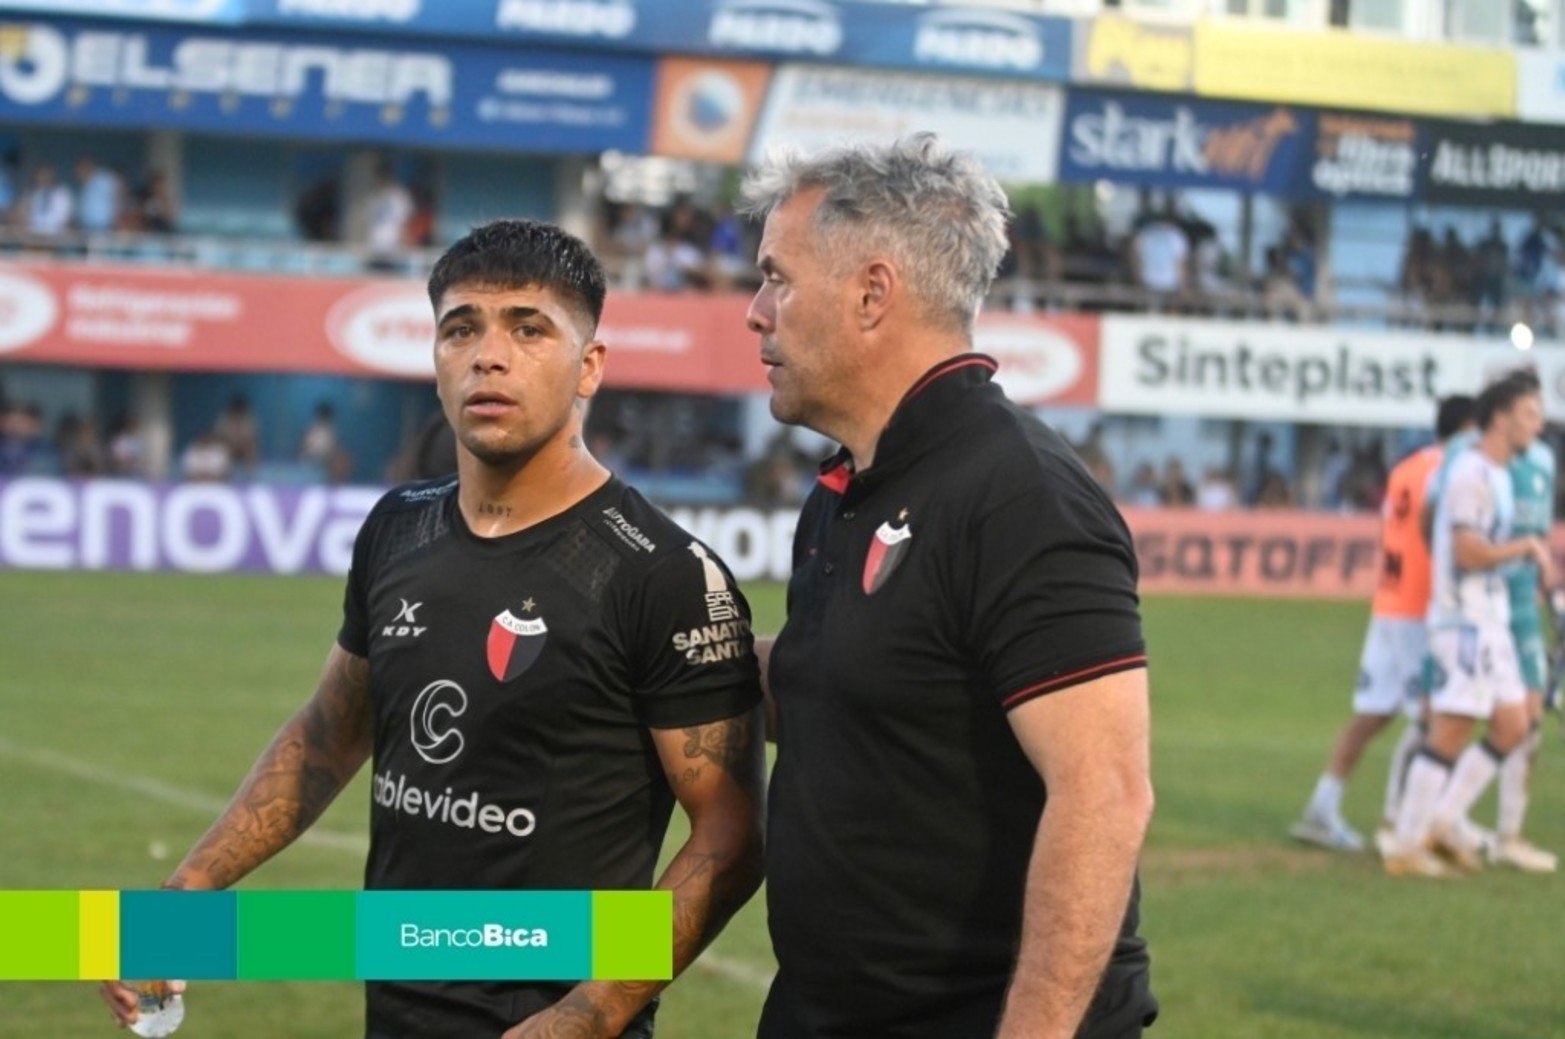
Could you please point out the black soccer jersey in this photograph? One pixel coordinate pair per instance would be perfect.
(974, 567)
(514, 681)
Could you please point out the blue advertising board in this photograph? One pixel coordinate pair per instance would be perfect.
(448, 95)
(1171, 142)
(210, 12)
(880, 35)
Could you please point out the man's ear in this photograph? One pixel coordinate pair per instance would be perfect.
(879, 284)
(593, 356)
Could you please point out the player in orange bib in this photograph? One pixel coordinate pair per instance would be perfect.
(1391, 670)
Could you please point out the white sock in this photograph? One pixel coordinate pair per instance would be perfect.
(1401, 757)
(1426, 777)
(1326, 802)
(1474, 771)
(1514, 775)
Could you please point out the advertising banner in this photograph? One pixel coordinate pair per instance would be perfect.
(1540, 86)
(186, 321)
(1359, 156)
(210, 12)
(1013, 127)
(1178, 143)
(706, 109)
(1352, 70)
(876, 35)
(338, 88)
(1284, 373)
(1510, 165)
(1114, 51)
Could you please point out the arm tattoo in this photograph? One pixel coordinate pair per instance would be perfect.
(306, 765)
(726, 744)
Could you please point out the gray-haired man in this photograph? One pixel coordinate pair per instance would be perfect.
(962, 636)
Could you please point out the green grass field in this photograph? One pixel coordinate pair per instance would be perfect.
(131, 704)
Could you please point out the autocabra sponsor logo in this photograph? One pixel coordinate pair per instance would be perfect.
(1363, 155)
(783, 26)
(981, 39)
(627, 531)
(40, 63)
(611, 20)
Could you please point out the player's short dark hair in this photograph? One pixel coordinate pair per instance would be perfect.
(514, 253)
(1505, 391)
(1454, 412)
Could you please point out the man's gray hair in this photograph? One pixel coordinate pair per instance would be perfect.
(936, 213)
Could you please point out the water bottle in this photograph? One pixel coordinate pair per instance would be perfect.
(160, 1011)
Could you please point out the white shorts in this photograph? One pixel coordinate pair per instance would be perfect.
(1475, 670)
(1391, 671)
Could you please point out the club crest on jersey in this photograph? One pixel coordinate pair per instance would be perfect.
(886, 552)
(515, 643)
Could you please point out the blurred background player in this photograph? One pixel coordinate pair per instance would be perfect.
(1390, 676)
(1475, 671)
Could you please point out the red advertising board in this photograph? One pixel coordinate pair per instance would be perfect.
(127, 317)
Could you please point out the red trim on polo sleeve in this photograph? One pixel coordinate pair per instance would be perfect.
(1086, 674)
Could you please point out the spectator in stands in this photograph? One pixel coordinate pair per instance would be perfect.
(100, 197)
(318, 211)
(10, 182)
(1216, 492)
(420, 231)
(21, 438)
(1454, 272)
(1145, 490)
(1262, 470)
(384, 222)
(1333, 475)
(1280, 290)
(1210, 262)
(674, 262)
(1177, 492)
(1299, 253)
(1365, 483)
(79, 447)
(320, 447)
(731, 261)
(630, 232)
(46, 209)
(153, 211)
(1160, 255)
(237, 429)
(1537, 274)
(1274, 493)
(206, 460)
(1417, 281)
(127, 447)
(1491, 269)
(1036, 258)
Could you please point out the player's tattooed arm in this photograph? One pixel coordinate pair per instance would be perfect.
(717, 773)
(308, 762)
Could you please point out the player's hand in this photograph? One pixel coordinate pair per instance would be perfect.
(558, 1023)
(123, 1000)
(1545, 560)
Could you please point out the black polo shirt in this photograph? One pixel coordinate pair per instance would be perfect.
(974, 567)
(514, 682)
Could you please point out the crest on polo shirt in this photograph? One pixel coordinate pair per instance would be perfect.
(515, 642)
(886, 552)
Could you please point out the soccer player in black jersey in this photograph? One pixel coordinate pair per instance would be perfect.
(537, 662)
(961, 786)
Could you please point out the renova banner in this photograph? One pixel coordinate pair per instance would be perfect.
(54, 524)
(1012, 126)
(1180, 142)
(341, 88)
(1287, 373)
(146, 319)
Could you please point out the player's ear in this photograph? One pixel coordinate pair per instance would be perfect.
(591, 377)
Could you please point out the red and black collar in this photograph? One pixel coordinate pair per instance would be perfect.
(922, 414)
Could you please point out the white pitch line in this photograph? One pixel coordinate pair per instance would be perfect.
(196, 801)
(157, 790)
